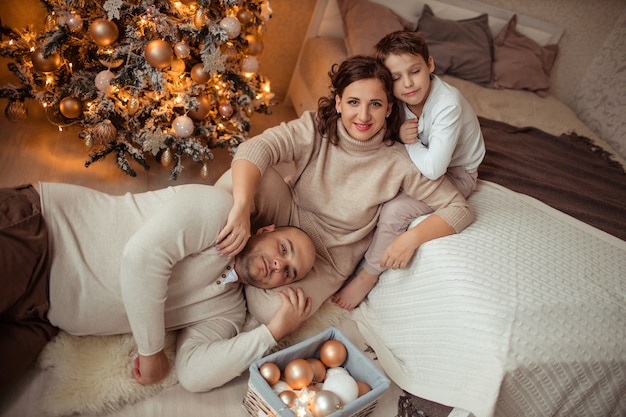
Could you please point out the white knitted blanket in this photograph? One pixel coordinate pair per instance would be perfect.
(521, 314)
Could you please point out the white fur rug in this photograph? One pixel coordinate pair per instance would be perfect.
(92, 374)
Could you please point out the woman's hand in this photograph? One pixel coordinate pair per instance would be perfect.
(408, 131)
(234, 236)
(151, 369)
(400, 252)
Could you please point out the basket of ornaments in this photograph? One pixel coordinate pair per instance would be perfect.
(323, 376)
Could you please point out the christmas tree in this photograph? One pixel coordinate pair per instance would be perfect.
(162, 79)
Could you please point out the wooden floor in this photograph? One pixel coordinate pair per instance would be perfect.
(34, 150)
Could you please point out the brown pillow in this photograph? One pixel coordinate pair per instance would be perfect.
(520, 63)
(365, 23)
(462, 48)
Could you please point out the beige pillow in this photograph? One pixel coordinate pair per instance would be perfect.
(520, 63)
(462, 48)
(365, 23)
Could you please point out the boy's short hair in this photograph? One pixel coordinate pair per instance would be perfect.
(401, 42)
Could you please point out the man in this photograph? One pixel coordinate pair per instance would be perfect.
(142, 263)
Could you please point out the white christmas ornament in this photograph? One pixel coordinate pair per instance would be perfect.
(231, 25)
(103, 81)
(336, 370)
(342, 384)
(183, 126)
(281, 386)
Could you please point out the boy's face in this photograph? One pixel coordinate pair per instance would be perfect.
(411, 77)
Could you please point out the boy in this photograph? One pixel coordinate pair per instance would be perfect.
(442, 135)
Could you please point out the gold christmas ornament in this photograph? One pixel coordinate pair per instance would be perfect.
(270, 372)
(16, 111)
(159, 54)
(255, 45)
(198, 18)
(204, 171)
(103, 133)
(333, 353)
(324, 403)
(166, 157)
(88, 142)
(199, 75)
(288, 397)
(103, 32)
(204, 107)
(298, 373)
(71, 107)
(50, 22)
(244, 16)
(105, 56)
(319, 370)
(45, 64)
(177, 66)
(132, 106)
(364, 387)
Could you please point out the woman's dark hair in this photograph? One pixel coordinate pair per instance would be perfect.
(355, 68)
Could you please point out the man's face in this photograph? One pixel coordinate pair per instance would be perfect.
(275, 257)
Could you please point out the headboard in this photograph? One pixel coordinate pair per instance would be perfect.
(326, 20)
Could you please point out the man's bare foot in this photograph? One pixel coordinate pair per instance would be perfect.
(352, 294)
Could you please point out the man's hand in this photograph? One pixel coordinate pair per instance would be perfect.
(151, 369)
(408, 131)
(294, 308)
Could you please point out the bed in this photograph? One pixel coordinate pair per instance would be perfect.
(524, 312)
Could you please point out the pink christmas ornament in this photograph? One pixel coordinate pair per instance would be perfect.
(225, 110)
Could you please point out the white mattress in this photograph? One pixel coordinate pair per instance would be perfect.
(521, 314)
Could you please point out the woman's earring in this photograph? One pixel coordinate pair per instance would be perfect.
(339, 113)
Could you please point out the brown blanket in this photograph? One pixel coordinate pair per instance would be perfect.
(568, 173)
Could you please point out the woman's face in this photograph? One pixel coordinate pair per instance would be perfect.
(363, 108)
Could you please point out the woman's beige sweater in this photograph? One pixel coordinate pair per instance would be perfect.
(338, 190)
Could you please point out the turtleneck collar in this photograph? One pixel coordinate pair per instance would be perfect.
(347, 142)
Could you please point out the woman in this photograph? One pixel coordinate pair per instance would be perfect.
(346, 167)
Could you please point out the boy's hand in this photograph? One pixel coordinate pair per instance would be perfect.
(151, 369)
(294, 308)
(408, 131)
